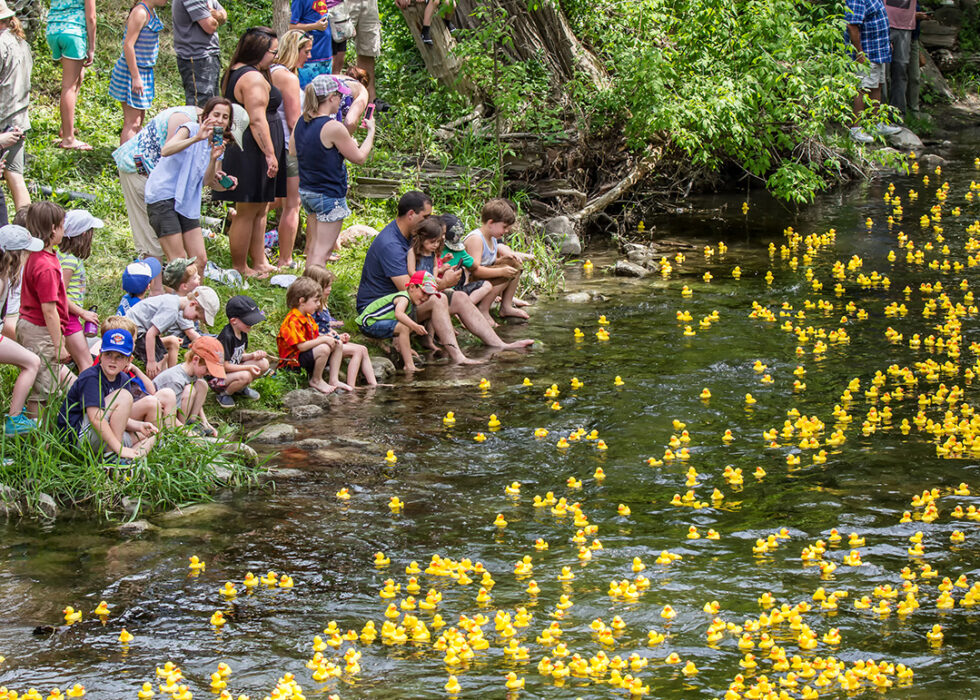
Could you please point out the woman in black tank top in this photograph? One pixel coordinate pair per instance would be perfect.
(260, 164)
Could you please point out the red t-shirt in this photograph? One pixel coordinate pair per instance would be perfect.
(43, 284)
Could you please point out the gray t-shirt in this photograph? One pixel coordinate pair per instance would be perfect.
(162, 311)
(15, 81)
(190, 41)
(175, 378)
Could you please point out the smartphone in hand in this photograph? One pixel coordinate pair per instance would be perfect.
(218, 135)
(369, 112)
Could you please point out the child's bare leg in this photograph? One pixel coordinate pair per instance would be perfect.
(147, 409)
(236, 381)
(167, 401)
(430, 10)
(172, 344)
(336, 359)
(118, 409)
(78, 349)
(507, 307)
(481, 293)
(321, 354)
(404, 344)
(487, 301)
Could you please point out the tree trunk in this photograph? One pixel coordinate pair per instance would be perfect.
(280, 16)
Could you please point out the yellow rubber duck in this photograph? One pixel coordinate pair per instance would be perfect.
(102, 609)
(395, 504)
(562, 443)
(270, 579)
(250, 581)
(602, 334)
(514, 489)
(500, 521)
(452, 686)
(493, 422)
(145, 692)
(196, 565)
(579, 334)
(603, 321)
(390, 457)
(618, 381)
(480, 437)
(623, 510)
(76, 691)
(343, 494)
(71, 615)
(286, 581)
(381, 560)
(576, 384)
(449, 419)
(218, 619)
(555, 406)
(705, 394)
(540, 433)
(228, 590)
(484, 384)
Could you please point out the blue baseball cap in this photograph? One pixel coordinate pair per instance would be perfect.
(137, 275)
(118, 340)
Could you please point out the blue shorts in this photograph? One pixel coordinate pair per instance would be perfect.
(385, 328)
(326, 209)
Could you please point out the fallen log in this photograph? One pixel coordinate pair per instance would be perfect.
(646, 164)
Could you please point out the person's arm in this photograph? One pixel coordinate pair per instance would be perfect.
(73, 308)
(854, 32)
(288, 85)
(138, 17)
(252, 91)
(152, 366)
(410, 261)
(474, 246)
(305, 345)
(90, 32)
(335, 134)
(213, 175)
(401, 303)
(176, 120)
(357, 107)
(400, 281)
(52, 321)
(148, 386)
(182, 139)
(320, 25)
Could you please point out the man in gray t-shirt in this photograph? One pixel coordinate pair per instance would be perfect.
(196, 25)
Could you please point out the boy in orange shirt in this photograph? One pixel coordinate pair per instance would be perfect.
(299, 341)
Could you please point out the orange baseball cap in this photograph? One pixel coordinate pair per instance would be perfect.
(209, 349)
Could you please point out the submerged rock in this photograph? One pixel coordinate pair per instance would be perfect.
(279, 475)
(306, 411)
(384, 369)
(931, 161)
(305, 397)
(196, 514)
(275, 433)
(136, 528)
(625, 268)
(578, 298)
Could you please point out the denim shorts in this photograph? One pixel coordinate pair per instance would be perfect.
(385, 328)
(326, 209)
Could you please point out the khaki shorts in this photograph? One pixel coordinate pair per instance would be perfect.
(364, 14)
(872, 75)
(144, 237)
(38, 340)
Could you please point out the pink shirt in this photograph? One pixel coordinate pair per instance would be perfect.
(901, 14)
(42, 284)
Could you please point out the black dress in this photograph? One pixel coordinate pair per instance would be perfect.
(248, 162)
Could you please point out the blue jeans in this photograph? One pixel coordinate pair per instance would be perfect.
(384, 328)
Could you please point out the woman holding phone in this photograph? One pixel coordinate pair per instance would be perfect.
(191, 160)
(323, 145)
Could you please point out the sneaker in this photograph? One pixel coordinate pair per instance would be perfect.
(249, 393)
(226, 401)
(451, 27)
(861, 137)
(17, 425)
(426, 39)
(888, 129)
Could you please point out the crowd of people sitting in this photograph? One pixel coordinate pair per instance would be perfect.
(274, 135)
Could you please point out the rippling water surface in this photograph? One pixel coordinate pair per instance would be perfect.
(453, 488)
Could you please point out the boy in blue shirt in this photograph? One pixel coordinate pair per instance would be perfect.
(98, 410)
(136, 280)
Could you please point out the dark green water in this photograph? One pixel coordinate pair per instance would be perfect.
(453, 488)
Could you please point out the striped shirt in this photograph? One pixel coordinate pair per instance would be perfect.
(76, 287)
(871, 17)
(382, 309)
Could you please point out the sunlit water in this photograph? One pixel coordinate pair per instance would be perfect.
(453, 488)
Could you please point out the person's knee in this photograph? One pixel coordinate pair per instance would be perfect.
(166, 398)
(263, 364)
(31, 363)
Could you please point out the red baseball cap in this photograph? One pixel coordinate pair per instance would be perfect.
(425, 281)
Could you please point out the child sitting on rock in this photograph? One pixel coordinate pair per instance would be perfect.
(358, 358)
(390, 315)
(241, 367)
(299, 341)
(204, 357)
(99, 410)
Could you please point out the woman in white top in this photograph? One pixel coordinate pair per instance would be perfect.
(294, 49)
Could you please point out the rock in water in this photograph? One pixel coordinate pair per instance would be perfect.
(277, 432)
(624, 268)
(135, 528)
(305, 397)
(47, 506)
(306, 411)
(561, 231)
(578, 298)
(905, 140)
(384, 369)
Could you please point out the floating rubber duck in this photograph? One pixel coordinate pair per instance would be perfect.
(540, 433)
(618, 381)
(480, 437)
(449, 419)
(218, 619)
(395, 504)
(579, 334)
(599, 474)
(270, 579)
(196, 565)
(381, 560)
(343, 494)
(71, 615)
(228, 590)
(623, 510)
(145, 692)
(705, 394)
(562, 443)
(390, 457)
(603, 321)
(250, 581)
(602, 334)
(576, 384)
(484, 384)
(102, 609)
(286, 581)
(493, 422)
(500, 521)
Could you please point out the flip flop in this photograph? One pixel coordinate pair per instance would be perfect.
(77, 146)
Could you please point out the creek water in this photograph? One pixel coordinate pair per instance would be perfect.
(453, 488)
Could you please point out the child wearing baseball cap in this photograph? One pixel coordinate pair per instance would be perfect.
(167, 314)
(204, 357)
(136, 279)
(99, 411)
(241, 367)
(74, 249)
(391, 315)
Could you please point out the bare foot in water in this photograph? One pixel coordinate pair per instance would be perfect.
(323, 387)
(345, 386)
(520, 303)
(464, 360)
(512, 312)
(518, 344)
